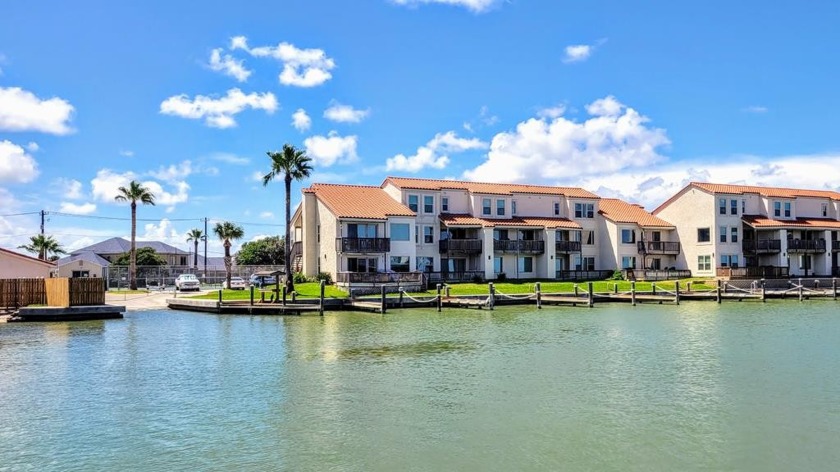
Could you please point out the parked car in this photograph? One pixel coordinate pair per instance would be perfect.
(261, 281)
(236, 283)
(187, 282)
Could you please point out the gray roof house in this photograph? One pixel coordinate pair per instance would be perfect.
(82, 264)
(112, 248)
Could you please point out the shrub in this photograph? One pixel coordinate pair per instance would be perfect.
(617, 275)
(299, 278)
(477, 279)
(325, 276)
(501, 276)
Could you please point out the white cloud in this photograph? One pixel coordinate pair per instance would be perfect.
(68, 188)
(174, 172)
(126, 153)
(164, 232)
(21, 110)
(77, 209)
(434, 153)
(301, 67)
(32, 146)
(332, 149)
(267, 215)
(484, 118)
(345, 113)
(226, 64)
(218, 112)
(257, 176)
(580, 52)
(755, 109)
(552, 112)
(615, 137)
(228, 158)
(301, 121)
(107, 182)
(169, 199)
(16, 166)
(476, 6)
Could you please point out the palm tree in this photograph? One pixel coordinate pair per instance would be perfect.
(227, 231)
(195, 235)
(44, 246)
(135, 192)
(292, 164)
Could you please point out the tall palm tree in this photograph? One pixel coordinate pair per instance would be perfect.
(135, 192)
(44, 246)
(292, 164)
(226, 231)
(195, 235)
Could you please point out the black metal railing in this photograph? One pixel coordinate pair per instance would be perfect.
(835, 245)
(567, 246)
(766, 272)
(762, 245)
(465, 246)
(464, 276)
(583, 274)
(806, 245)
(658, 247)
(379, 277)
(519, 245)
(363, 244)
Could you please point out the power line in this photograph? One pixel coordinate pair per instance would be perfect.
(20, 214)
(117, 218)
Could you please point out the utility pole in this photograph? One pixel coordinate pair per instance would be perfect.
(205, 246)
(43, 213)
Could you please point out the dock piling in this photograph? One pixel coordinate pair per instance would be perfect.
(591, 300)
(717, 292)
(688, 286)
(284, 296)
(615, 288)
(492, 295)
(439, 299)
(653, 288)
(677, 292)
(252, 295)
(834, 288)
(402, 292)
(384, 302)
(220, 296)
(763, 291)
(800, 290)
(446, 290)
(538, 290)
(633, 293)
(576, 290)
(321, 298)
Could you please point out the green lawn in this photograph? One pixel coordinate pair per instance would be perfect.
(126, 291)
(311, 289)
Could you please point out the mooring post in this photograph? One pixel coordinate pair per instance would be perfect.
(277, 293)
(834, 288)
(252, 295)
(615, 288)
(492, 295)
(220, 296)
(653, 288)
(284, 296)
(402, 292)
(538, 291)
(447, 290)
(591, 300)
(688, 286)
(321, 298)
(816, 284)
(439, 300)
(576, 290)
(294, 296)
(633, 293)
(725, 287)
(677, 292)
(800, 290)
(763, 291)
(383, 301)
(718, 291)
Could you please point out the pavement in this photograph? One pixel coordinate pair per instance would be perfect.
(144, 301)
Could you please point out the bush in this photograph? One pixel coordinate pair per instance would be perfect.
(325, 276)
(299, 278)
(477, 279)
(617, 275)
(501, 276)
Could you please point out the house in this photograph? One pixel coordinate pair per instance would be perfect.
(751, 231)
(15, 265)
(455, 230)
(111, 249)
(83, 264)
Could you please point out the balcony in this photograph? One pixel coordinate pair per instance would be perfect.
(805, 246)
(835, 245)
(761, 272)
(460, 246)
(763, 246)
(567, 246)
(519, 246)
(658, 247)
(363, 245)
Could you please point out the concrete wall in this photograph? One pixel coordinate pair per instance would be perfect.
(538, 205)
(13, 266)
(330, 230)
(693, 209)
(94, 269)
(402, 248)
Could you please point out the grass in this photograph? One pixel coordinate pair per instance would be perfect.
(311, 289)
(126, 291)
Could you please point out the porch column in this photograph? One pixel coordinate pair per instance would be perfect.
(550, 254)
(487, 254)
(783, 262)
(825, 267)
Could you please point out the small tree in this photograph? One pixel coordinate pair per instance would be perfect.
(266, 251)
(44, 246)
(195, 235)
(145, 256)
(227, 231)
(135, 192)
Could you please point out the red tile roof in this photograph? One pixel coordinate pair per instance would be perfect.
(757, 221)
(358, 201)
(619, 211)
(531, 221)
(779, 192)
(485, 187)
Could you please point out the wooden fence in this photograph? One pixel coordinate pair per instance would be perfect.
(60, 292)
(15, 293)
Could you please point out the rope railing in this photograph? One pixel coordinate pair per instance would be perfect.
(420, 300)
(512, 297)
(738, 289)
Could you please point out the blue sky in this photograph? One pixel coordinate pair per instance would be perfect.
(626, 99)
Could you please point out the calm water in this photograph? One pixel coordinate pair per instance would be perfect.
(742, 386)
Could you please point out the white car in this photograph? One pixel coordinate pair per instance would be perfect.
(236, 283)
(187, 282)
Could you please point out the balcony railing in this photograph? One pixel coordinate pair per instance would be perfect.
(806, 245)
(583, 274)
(465, 276)
(567, 246)
(363, 244)
(519, 245)
(761, 272)
(379, 277)
(463, 246)
(663, 274)
(762, 246)
(658, 247)
(835, 245)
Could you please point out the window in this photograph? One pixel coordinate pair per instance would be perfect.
(729, 260)
(704, 262)
(628, 236)
(589, 238)
(400, 232)
(413, 203)
(498, 267)
(734, 234)
(500, 207)
(361, 264)
(425, 264)
(703, 235)
(576, 236)
(318, 233)
(743, 207)
(825, 209)
(444, 204)
(428, 234)
(722, 205)
(588, 263)
(787, 209)
(513, 207)
(416, 235)
(584, 210)
(485, 207)
(526, 264)
(723, 234)
(400, 263)
(656, 236)
(500, 234)
(556, 208)
(453, 265)
(428, 204)
(733, 207)
(628, 262)
(777, 208)
(656, 264)
(361, 230)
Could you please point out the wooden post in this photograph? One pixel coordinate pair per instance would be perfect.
(538, 290)
(677, 292)
(284, 296)
(383, 301)
(816, 284)
(402, 292)
(576, 290)
(615, 288)
(724, 284)
(277, 292)
(834, 288)
(446, 290)
(688, 286)
(653, 288)
(492, 295)
(321, 299)
(800, 290)
(220, 296)
(591, 300)
(633, 293)
(439, 299)
(718, 291)
(252, 295)
(763, 291)
(294, 296)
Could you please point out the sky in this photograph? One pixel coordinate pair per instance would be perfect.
(626, 99)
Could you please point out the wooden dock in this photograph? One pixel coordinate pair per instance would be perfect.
(73, 313)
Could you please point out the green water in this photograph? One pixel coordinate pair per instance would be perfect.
(740, 386)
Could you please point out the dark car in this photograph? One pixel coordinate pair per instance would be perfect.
(261, 281)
